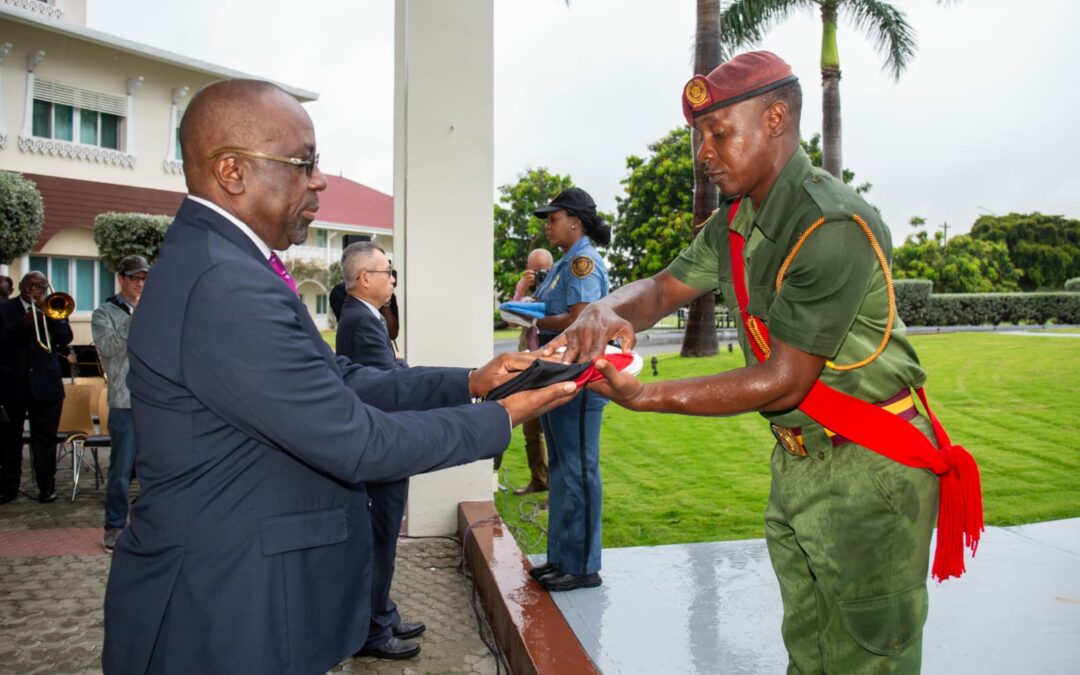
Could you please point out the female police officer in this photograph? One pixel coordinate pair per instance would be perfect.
(573, 430)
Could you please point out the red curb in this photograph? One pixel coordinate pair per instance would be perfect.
(530, 629)
(57, 541)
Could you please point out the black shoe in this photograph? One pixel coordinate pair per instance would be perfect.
(6, 497)
(569, 582)
(47, 496)
(409, 630)
(394, 649)
(543, 570)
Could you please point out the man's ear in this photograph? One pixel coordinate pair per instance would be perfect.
(777, 118)
(229, 174)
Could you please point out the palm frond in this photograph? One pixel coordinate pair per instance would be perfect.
(745, 22)
(887, 26)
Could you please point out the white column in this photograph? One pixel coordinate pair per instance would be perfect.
(443, 177)
(4, 49)
(133, 84)
(32, 62)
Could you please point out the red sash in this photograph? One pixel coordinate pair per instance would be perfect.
(960, 512)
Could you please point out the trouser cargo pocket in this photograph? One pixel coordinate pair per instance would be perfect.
(886, 624)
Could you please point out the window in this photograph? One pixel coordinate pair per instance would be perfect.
(58, 121)
(321, 238)
(88, 281)
(320, 303)
(65, 113)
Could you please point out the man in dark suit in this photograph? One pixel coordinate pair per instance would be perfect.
(363, 338)
(30, 387)
(249, 548)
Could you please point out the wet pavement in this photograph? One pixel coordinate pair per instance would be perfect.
(53, 570)
(715, 608)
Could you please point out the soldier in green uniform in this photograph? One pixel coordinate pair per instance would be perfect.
(848, 529)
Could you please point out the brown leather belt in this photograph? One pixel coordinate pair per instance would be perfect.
(902, 405)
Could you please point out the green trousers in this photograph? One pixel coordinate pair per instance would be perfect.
(848, 533)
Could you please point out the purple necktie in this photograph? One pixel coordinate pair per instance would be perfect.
(279, 267)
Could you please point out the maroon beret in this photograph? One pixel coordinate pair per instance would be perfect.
(743, 77)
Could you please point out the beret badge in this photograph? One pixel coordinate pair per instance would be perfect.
(697, 94)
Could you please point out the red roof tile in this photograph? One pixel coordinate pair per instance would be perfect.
(347, 202)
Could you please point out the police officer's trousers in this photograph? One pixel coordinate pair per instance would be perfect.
(848, 533)
(573, 440)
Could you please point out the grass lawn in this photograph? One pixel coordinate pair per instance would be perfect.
(1012, 401)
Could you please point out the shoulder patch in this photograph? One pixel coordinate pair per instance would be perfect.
(582, 266)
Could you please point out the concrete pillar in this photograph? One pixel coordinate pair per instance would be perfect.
(443, 177)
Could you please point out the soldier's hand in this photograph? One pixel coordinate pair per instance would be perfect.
(621, 387)
(587, 337)
(526, 405)
(500, 369)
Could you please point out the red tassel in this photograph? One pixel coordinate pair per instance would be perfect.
(960, 513)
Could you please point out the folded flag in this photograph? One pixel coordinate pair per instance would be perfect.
(521, 313)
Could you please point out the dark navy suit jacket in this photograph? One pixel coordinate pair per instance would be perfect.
(362, 337)
(255, 442)
(28, 372)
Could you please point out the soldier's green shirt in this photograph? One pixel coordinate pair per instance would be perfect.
(833, 301)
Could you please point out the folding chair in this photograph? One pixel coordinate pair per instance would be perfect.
(75, 427)
(101, 439)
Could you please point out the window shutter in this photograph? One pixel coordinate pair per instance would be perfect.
(54, 92)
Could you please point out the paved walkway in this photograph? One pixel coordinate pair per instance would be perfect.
(52, 582)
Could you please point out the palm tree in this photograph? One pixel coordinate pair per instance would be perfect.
(700, 336)
(745, 23)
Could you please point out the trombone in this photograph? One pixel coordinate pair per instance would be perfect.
(55, 306)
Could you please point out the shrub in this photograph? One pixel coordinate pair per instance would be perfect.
(912, 296)
(122, 234)
(1073, 285)
(22, 214)
(975, 309)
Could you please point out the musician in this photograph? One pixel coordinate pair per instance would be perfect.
(30, 387)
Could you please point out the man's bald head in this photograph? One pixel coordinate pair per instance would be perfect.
(539, 259)
(224, 114)
(249, 147)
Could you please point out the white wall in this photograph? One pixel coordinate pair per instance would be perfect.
(443, 173)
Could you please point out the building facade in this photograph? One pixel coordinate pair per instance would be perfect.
(93, 119)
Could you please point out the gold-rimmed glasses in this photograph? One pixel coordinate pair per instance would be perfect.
(307, 164)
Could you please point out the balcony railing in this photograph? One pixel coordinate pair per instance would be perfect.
(312, 253)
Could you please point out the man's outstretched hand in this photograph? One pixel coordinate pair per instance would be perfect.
(587, 337)
(502, 368)
(619, 386)
(525, 405)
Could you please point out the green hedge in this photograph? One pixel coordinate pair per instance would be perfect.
(976, 309)
(1073, 285)
(912, 297)
(122, 234)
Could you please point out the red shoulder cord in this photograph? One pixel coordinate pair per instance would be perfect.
(960, 511)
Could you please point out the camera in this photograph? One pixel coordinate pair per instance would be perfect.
(539, 276)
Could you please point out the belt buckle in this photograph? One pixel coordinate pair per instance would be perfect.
(789, 441)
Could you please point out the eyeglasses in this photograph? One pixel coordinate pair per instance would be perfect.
(308, 164)
(388, 271)
(133, 278)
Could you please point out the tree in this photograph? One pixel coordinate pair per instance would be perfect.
(745, 23)
(700, 337)
(813, 150)
(21, 216)
(517, 230)
(966, 265)
(122, 234)
(653, 220)
(1046, 248)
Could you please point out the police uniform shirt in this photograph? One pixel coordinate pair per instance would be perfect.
(579, 276)
(833, 301)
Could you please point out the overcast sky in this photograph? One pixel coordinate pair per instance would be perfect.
(981, 122)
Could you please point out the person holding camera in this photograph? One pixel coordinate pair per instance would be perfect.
(537, 266)
(572, 431)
